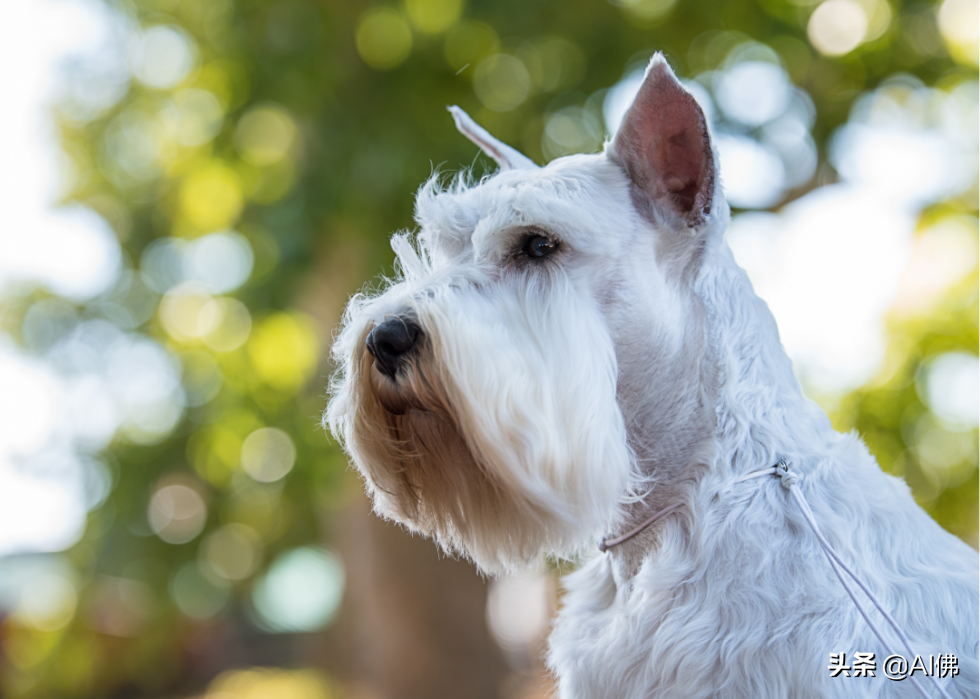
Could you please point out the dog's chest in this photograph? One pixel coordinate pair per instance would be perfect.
(658, 640)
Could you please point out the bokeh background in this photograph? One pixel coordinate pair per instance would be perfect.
(190, 191)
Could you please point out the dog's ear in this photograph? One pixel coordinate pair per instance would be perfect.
(507, 158)
(664, 146)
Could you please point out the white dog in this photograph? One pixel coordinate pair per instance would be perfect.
(571, 349)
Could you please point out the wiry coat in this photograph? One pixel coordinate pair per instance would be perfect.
(549, 402)
(735, 598)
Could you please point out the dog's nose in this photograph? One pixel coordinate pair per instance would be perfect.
(389, 342)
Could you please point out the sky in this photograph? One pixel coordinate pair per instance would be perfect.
(71, 251)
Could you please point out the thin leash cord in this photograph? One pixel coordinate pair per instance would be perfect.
(835, 561)
(789, 481)
(605, 545)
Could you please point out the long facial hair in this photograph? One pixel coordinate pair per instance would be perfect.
(407, 438)
(482, 441)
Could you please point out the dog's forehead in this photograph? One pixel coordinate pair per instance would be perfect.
(575, 192)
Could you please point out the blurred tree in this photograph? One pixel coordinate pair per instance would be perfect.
(305, 127)
(892, 414)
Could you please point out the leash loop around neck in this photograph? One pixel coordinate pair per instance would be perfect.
(606, 545)
(781, 469)
(789, 479)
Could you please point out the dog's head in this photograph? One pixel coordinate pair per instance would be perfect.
(502, 395)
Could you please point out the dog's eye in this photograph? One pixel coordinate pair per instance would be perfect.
(538, 246)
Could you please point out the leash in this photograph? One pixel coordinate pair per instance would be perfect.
(606, 545)
(789, 480)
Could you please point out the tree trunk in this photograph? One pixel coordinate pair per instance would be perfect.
(415, 619)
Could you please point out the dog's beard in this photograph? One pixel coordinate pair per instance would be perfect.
(501, 436)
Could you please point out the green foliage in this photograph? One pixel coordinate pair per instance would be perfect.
(938, 461)
(307, 126)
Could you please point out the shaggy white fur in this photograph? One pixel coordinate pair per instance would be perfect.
(550, 401)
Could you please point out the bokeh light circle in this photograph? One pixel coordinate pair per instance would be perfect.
(193, 118)
(48, 603)
(268, 454)
(384, 39)
(182, 312)
(959, 23)
(753, 92)
(837, 27)
(211, 197)
(433, 16)
(948, 385)
(228, 324)
(301, 591)
(468, 43)
(231, 552)
(176, 513)
(755, 174)
(265, 134)
(646, 10)
(501, 82)
(518, 610)
(221, 261)
(165, 56)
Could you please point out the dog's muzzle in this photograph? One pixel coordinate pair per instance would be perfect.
(390, 342)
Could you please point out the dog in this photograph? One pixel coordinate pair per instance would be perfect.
(569, 351)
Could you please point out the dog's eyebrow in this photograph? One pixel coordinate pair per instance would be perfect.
(438, 209)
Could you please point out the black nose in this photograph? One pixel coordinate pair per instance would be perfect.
(389, 342)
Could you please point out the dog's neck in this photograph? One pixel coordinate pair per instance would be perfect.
(743, 407)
